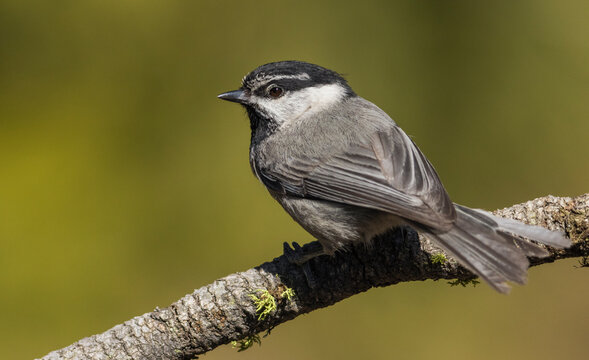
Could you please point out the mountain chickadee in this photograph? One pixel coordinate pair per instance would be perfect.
(344, 170)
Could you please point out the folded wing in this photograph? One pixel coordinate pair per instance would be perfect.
(385, 172)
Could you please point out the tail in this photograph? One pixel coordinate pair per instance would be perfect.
(492, 247)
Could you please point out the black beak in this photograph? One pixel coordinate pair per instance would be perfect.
(237, 96)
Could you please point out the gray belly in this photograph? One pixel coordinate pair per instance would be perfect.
(335, 225)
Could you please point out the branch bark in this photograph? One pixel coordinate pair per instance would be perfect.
(225, 311)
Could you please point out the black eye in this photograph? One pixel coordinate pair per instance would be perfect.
(275, 91)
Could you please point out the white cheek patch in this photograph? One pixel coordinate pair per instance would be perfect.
(307, 102)
(272, 108)
(299, 104)
(321, 97)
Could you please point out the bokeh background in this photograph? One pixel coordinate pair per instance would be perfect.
(124, 182)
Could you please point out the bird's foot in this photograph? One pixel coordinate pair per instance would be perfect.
(299, 256)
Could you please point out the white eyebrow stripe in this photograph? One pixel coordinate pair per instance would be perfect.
(264, 79)
(302, 76)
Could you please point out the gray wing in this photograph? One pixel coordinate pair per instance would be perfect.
(387, 172)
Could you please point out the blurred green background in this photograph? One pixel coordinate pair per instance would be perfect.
(124, 182)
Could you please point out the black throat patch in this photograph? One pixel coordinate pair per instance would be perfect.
(261, 125)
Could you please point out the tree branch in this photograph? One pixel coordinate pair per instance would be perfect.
(225, 310)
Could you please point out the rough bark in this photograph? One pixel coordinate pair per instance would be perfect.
(224, 311)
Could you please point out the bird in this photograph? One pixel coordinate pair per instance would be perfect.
(346, 172)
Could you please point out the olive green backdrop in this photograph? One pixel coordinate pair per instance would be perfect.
(124, 182)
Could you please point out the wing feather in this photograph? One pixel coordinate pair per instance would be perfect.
(386, 172)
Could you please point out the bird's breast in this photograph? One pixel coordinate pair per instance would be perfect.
(336, 225)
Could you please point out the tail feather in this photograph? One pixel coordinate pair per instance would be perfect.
(482, 260)
(527, 247)
(555, 239)
(492, 247)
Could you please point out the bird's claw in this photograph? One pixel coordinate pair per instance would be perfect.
(295, 255)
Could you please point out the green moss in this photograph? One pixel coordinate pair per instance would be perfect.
(439, 259)
(464, 283)
(288, 294)
(265, 303)
(246, 343)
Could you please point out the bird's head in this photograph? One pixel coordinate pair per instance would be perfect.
(279, 93)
